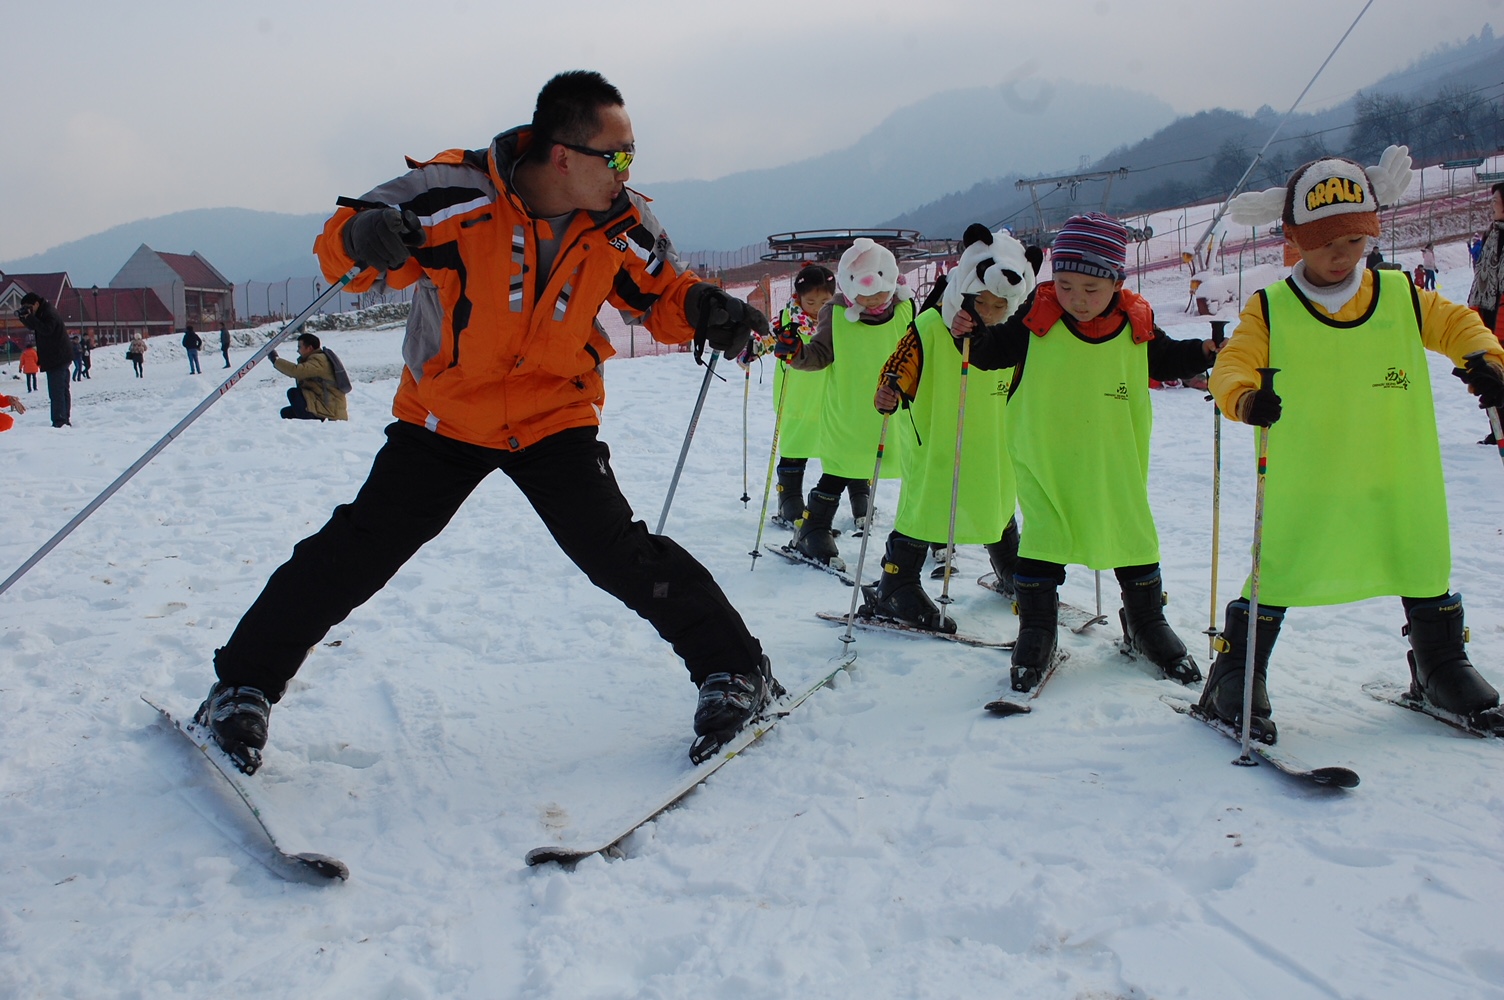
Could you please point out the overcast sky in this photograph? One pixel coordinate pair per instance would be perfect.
(122, 111)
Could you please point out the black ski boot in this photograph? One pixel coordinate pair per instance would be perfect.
(859, 493)
(237, 718)
(1038, 605)
(1222, 697)
(814, 539)
(727, 703)
(1147, 634)
(899, 594)
(1439, 668)
(1003, 554)
(790, 496)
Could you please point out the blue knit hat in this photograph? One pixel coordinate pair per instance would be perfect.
(1094, 244)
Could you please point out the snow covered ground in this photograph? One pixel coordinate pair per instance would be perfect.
(888, 840)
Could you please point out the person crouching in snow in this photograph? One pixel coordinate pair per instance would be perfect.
(993, 279)
(15, 406)
(854, 335)
(1354, 503)
(1079, 421)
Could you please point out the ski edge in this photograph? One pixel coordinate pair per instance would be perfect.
(1084, 619)
(1281, 760)
(749, 734)
(323, 867)
(1398, 695)
(878, 624)
(801, 560)
(1024, 705)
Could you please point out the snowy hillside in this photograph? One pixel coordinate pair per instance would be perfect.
(887, 841)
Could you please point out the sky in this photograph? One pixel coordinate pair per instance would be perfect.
(118, 112)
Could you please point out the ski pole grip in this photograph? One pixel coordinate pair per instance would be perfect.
(1266, 378)
(1219, 331)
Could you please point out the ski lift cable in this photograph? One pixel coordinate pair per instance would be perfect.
(1222, 209)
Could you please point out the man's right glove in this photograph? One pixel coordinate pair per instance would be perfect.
(725, 322)
(1483, 380)
(383, 238)
(1261, 408)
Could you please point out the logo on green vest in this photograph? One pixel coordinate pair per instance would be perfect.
(1394, 378)
(1122, 392)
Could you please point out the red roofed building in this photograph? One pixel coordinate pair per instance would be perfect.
(189, 285)
(110, 315)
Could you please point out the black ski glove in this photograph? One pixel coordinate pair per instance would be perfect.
(786, 343)
(1262, 408)
(724, 322)
(1483, 380)
(383, 238)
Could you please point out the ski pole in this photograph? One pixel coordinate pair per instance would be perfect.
(694, 418)
(1266, 381)
(178, 428)
(861, 556)
(955, 476)
(746, 395)
(1219, 328)
(767, 487)
(1493, 411)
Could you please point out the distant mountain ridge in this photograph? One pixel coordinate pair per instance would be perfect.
(243, 244)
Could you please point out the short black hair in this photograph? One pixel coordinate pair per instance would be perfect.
(309, 340)
(568, 110)
(31, 299)
(1498, 189)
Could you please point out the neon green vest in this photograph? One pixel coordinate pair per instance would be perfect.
(849, 424)
(1354, 502)
(1078, 431)
(799, 428)
(986, 497)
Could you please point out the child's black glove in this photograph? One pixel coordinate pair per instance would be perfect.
(1261, 408)
(1483, 380)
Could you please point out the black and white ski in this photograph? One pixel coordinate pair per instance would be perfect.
(1076, 619)
(1286, 763)
(751, 733)
(880, 624)
(314, 869)
(1397, 694)
(1023, 704)
(836, 567)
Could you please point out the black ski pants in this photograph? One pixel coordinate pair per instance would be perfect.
(417, 483)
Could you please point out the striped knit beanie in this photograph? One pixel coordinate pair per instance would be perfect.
(1093, 244)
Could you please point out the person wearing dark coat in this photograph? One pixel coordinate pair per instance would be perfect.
(54, 353)
(224, 344)
(192, 342)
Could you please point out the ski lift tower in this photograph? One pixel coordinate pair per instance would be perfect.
(1071, 182)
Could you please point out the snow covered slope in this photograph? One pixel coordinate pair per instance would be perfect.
(888, 840)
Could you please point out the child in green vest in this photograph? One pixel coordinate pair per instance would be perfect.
(992, 279)
(798, 394)
(1354, 505)
(855, 333)
(1079, 421)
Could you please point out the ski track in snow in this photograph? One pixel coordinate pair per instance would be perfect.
(887, 840)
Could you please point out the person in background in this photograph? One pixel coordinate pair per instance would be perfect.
(76, 348)
(192, 342)
(797, 393)
(1428, 261)
(88, 349)
(224, 345)
(15, 406)
(30, 367)
(1487, 290)
(53, 353)
(318, 395)
(136, 355)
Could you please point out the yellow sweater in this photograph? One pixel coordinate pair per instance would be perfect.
(1445, 327)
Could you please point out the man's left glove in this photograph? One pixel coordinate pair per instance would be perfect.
(272, 355)
(1483, 380)
(726, 323)
(383, 238)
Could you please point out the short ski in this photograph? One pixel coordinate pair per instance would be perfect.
(749, 734)
(1076, 619)
(1330, 777)
(894, 625)
(1024, 703)
(315, 869)
(1397, 694)
(795, 556)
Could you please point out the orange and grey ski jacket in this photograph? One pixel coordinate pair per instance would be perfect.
(492, 358)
